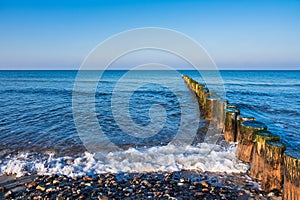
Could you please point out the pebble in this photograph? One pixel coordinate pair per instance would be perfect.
(2, 189)
(50, 190)
(102, 197)
(180, 184)
(175, 185)
(127, 194)
(8, 194)
(40, 188)
(204, 184)
(86, 178)
(271, 194)
(31, 185)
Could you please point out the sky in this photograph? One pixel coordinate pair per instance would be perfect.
(247, 35)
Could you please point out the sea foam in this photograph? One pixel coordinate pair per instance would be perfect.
(163, 158)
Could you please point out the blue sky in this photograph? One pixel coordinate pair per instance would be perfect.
(240, 34)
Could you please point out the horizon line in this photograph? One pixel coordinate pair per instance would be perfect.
(150, 70)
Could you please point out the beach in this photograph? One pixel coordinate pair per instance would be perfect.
(160, 185)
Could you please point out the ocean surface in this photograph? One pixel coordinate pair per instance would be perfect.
(39, 133)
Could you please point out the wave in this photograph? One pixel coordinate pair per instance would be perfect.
(267, 111)
(49, 91)
(249, 93)
(228, 83)
(36, 91)
(38, 80)
(164, 158)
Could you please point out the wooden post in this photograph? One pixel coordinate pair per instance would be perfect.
(273, 166)
(199, 90)
(258, 152)
(291, 190)
(203, 96)
(245, 140)
(211, 107)
(237, 112)
(230, 124)
(240, 119)
(193, 85)
(221, 113)
(187, 80)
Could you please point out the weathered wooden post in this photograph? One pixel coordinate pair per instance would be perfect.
(245, 140)
(204, 92)
(229, 128)
(258, 152)
(291, 189)
(190, 82)
(221, 113)
(199, 90)
(187, 80)
(193, 85)
(273, 166)
(196, 87)
(211, 107)
(240, 119)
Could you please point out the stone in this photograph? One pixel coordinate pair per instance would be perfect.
(102, 197)
(31, 185)
(86, 178)
(55, 182)
(40, 188)
(2, 189)
(8, 194)
(204, 184)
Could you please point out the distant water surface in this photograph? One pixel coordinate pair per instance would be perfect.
(36, 115)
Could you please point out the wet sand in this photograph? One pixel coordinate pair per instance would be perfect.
(160, 185)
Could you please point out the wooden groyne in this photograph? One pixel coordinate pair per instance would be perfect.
(270, 162)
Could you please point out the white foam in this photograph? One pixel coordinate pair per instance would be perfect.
(163, 158)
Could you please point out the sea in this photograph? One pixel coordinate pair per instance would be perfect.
(83, 123)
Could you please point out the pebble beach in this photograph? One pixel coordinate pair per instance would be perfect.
(159, 185)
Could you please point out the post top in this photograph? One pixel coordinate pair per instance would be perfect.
(230, 105)
(254, 124)
(246, 117)
(231, 110)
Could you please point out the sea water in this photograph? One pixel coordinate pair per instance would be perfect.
(39, 134)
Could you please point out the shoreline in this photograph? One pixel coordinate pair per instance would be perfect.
(157, 185)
